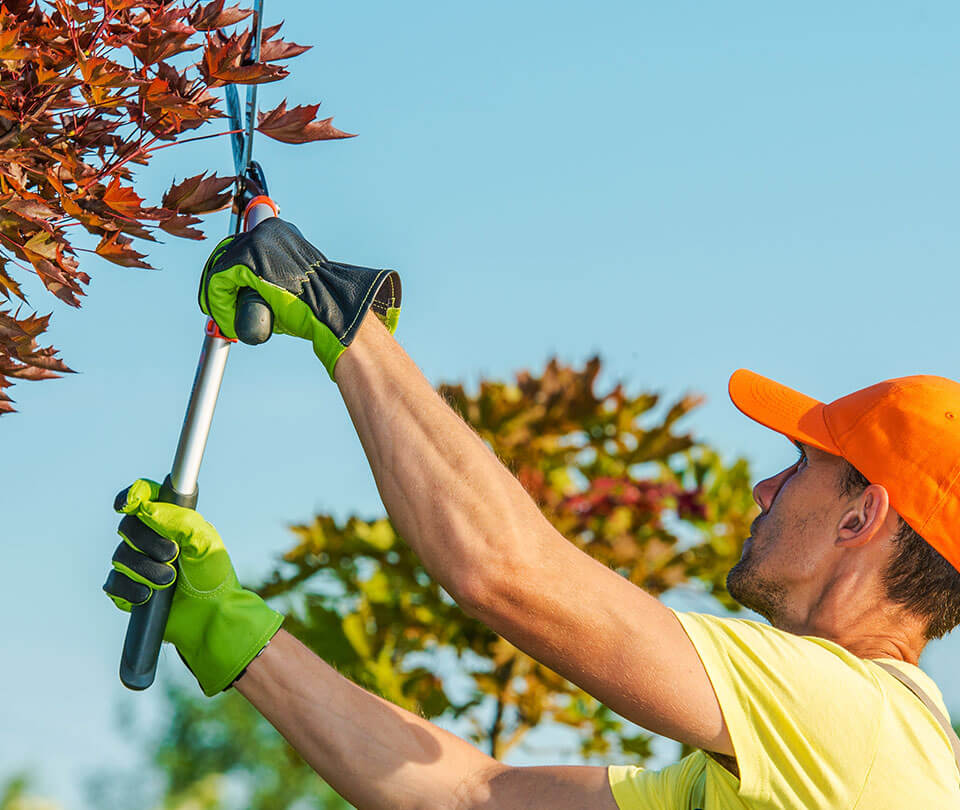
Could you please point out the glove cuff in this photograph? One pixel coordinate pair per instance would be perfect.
(342, 294)
(237, 630)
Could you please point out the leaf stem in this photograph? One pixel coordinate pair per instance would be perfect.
(196, 138)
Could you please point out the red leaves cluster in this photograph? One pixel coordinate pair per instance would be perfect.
(646, 497)
(88, 88)
(225, 58)
(20, 356)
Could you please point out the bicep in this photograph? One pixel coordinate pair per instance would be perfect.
(564, 787)
(611, 638)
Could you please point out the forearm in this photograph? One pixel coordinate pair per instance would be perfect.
(450, 498)
(480, 534)
(373, 753)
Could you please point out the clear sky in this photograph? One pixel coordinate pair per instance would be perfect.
(683, 187)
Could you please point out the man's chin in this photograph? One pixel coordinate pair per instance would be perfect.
(754, 591)
(737, 581)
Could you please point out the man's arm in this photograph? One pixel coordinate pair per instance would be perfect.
(377, 755)
(483, 538)
(374, 753)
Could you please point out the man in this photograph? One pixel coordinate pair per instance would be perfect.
(798, 715)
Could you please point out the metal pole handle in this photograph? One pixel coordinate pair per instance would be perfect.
(253, 321)
(141, 646)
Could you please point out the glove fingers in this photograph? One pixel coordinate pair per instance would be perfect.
(185, 527)
(145, 540)
(224, 287)
(272, 259)
(124, 591)
(143, 489)
(202, 296)
(140, 568)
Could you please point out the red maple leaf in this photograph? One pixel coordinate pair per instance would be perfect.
(297, 125)
(123, 200)
(179, 225)
(199, 194)
(225, 62)
(271, 49)
(116, 248)
(215, 15)
(10, 50)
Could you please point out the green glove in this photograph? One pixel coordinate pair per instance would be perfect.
(311, 297)
(217, 626)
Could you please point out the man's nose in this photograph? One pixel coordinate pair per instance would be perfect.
(765, 492)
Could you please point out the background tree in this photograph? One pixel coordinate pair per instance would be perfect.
(88, 88)
(215, 754)
(609, 470)
(15, 794)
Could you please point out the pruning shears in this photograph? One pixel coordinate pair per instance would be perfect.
(254, 324)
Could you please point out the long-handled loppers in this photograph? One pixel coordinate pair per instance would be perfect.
(254, 323)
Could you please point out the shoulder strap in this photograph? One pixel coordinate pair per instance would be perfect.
(925, 699)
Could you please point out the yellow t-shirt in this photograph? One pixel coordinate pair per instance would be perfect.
(813, 726)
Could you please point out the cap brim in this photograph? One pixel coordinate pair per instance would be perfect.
(782, 409)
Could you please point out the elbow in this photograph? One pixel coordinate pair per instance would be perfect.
(496, 566)
(492, 547)
(476, 791)
(471, 589)
(488, 592)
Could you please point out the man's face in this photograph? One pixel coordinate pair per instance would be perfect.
(791, 547)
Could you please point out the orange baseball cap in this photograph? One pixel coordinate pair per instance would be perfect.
(903, 434)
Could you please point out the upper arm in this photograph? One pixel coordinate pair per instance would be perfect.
(548, 788)
(603, 633)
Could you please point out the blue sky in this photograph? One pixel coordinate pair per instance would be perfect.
(684, 188)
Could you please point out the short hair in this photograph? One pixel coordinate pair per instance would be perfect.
(917, 576)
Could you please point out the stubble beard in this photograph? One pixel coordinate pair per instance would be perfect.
(750, 587)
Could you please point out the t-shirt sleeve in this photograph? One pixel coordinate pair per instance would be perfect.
(802, 712)
(670, 788)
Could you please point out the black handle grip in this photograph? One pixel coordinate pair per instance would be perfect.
(141, 647)
(254, 319)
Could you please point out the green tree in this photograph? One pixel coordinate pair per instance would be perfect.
(15, 794)
(210, 755)
(615, 476)
(212, 750)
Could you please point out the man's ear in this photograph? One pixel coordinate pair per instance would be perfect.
(865, 518)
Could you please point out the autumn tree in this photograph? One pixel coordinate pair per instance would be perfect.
(615, 475)
(88, 89)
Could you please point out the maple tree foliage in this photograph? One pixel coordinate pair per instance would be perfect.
(89, 88)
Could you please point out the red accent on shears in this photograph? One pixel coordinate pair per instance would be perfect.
(260, 199)
(214, 331)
